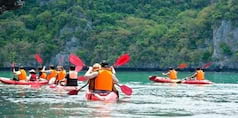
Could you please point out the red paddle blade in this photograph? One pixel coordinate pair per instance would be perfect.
(38, 58)
(82, 78)
(73, 92)
(78, 68)
(207, 65)
(125, 89)
(75, 60)
(182, 66)
(122, 60)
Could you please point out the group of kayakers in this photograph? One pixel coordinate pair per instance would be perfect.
(101, 77)
(198, 75)
(54, 75)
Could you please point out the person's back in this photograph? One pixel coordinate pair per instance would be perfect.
(51, 77)
(21, 74)
(200, 75)
(42, 73)
(33, 76)
(104, 80)
(72, 77)
(172, 73)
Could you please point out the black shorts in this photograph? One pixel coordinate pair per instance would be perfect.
(72, 82)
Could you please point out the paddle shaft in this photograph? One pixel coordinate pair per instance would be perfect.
(83, 86)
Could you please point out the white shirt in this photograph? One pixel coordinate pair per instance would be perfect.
(90, 75)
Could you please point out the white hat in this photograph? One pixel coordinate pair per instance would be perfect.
(32, 71)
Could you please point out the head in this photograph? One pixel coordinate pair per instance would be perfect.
(170, 68)
(96, 67)
(104, 64)
(60, 68)
(198, 68)
(52, 67)
(32, 71)
(21, 67)
(72, 68)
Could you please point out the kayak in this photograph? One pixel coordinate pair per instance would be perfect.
(196, 82)
(66, 88)
(9, 81)
(189, 81)
(109, 97)
(162, 79)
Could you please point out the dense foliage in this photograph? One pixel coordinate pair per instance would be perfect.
(156, 33)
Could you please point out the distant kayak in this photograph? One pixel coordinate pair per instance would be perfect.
(196, 82)
(166, 80)
(66, 88)
(9, 81)
(109, 97)
(162, 79)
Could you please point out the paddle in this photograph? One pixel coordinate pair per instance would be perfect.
(182, 66)
(207, 65)
(73, 59)
(125, 89)
(123, 59)
(75, 92)
(12, 67)
(38, 58)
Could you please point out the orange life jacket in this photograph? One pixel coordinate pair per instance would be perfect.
(104, 80)
(73, 74)
(43, 75)
(53, 73)
(173, 74)
(61, 75)
(200, 75)
(23, 75)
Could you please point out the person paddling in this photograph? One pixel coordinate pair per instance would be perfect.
(172, 74)
(198, 75)
(21, 74)
(61, 74)
(104, 79)
(91, 82)
(52, 73)
(42, 74)
(71, 77)
(32, 76)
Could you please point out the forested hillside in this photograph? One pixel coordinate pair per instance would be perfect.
(156, 33)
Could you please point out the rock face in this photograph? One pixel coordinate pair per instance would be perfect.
(225, 43)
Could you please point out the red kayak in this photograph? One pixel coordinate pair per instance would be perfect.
(109, 97)
(9, 81)
(66, 88)
(189, 81)
(196, 82)
(162, 79)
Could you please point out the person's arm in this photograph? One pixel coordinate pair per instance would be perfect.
(89, 74)
(113, 70)
(16, 72)
(115, 80)
(165, 73)
(194, 75)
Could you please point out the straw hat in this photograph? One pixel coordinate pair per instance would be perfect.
(96, 66)
(32, 71)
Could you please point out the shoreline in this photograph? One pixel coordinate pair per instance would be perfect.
(130, 69)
